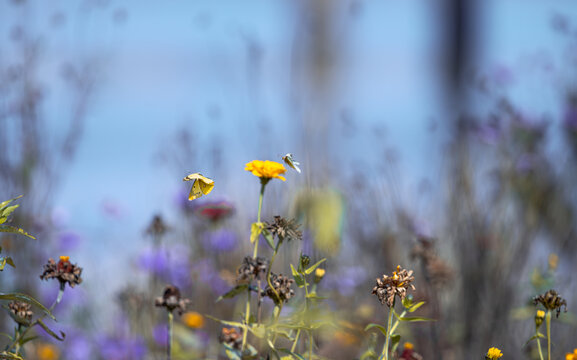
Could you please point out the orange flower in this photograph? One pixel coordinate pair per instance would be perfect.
(192, 319)
(266, 169)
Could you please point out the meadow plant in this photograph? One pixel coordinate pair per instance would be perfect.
(20, 308)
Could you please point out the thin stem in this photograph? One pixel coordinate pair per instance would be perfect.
(246, 320)
(548, 324)
(296, 341)
(17, 340)
(169, 349)
(262, 186)
(385, 352)
(539, 348)
(59, 297)
(269, 270)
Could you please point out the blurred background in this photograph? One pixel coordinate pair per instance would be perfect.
(441, 136)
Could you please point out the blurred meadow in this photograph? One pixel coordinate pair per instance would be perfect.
(440, 136)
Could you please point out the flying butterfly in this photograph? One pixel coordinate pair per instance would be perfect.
(201, 185)
(288, 159)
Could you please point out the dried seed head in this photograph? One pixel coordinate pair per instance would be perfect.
(231, 337)
(282, 286)
(285, 229)
(64, 271)
(157, 226)
(551, 301)
(21, 312)
(171, 300)
(251, 269)
(388, 287)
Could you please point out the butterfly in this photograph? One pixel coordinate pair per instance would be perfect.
(201, 186)
(288, 159)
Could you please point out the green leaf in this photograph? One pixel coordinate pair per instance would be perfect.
(314, 296)
(226, 322)
(3, 204)
(50, 332)
(269, 238)
(415, 307)
(414, 318)
(313, 267)
(395, 339)
(9, 356)
(381, 328)
(538, 335)
(255, 230)
(299, 280)
(9, 261)
(259, 330)
(233, 292)
(7, 211)
(27, 299)
(15, 230)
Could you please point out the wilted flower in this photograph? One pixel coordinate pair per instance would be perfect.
(157, 227)
(171, 300)
(493, 353)
(231, 337)
(551, 301)
(409, 353)
(22, 311)
(251, 269)
(285, 229)
(397, 284)
(64, 271)
(282, 286)
(438, 272)
(266, 170)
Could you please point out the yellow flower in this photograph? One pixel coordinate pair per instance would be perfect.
(408, 346)
(192, 319)
(571, 356)
(266, 169)
(320, 273)
(64, 258)
(553, 261)
(47, 352)
(494, 353)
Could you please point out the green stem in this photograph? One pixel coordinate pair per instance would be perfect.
(548, 324)
(268, 270)
(17, 340)
(539, 348)
(262, 186)
(385, 352)
(169, 349)
(246, 321)
(296, 341)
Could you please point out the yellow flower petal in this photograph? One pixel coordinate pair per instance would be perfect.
(266, 169)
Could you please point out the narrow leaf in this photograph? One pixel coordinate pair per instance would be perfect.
(50, 332)
(415, 307)
(15, 230)
(381, 328)
(233, 292)
(313, 267)
(5, 203)
(415, 318)
(269, 238)
(226, 322)
(9, 356)
(9, 210)
(395, 339)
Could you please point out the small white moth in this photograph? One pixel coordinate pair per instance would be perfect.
(288, 159)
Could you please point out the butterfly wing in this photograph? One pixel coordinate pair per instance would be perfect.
(201, 185)
(288, 159)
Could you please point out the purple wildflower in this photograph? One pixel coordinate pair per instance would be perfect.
(220, 240)
(160, 335)
(68, 240)
(122, 348)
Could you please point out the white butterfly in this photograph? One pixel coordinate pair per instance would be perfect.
(288, 159)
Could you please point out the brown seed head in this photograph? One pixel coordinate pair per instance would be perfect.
(64, 271)
(251, 269)
(285, 229)
(551, 301)
(388, 287)
(171, 300)
(22, 312)
(282, 285)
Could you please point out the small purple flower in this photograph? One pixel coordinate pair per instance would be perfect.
(570, 119)
(77, 346)
(208, 274)
(154, 260)
(220, 240)
(68, 241)
(122, 348)
(160, 334)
